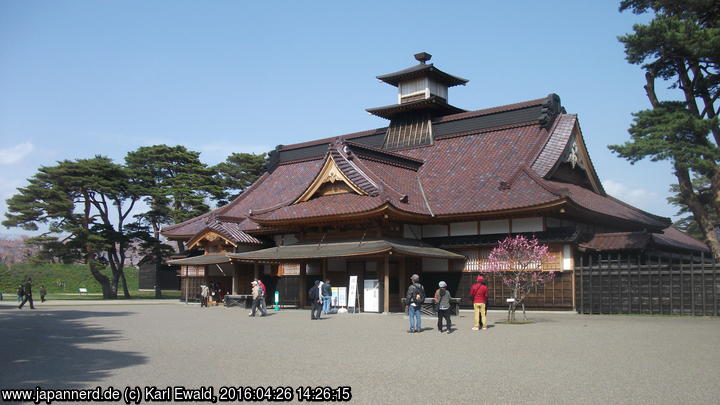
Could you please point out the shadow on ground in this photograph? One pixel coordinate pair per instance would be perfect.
(56, 349)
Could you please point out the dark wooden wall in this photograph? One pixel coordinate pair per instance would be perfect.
(646, 284)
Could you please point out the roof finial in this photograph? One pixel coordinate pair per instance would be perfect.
(422, 57)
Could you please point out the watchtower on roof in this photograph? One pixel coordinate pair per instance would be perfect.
(422, 96)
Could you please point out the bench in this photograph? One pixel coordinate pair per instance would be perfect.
(82, 291)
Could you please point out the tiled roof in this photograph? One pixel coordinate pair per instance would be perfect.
(486, 171)
(610, 206)
(556, 144)
(670, 237)
(421, 70)
(674, 237)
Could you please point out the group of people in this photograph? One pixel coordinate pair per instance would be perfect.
(415, 298)
(24, 294)
(211, 289)
(320, 295)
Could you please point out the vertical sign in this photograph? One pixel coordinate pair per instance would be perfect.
(352, 293)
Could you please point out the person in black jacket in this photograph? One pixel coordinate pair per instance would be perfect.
(414, 299)
(326, 296)
(28, 294)
(315, 298)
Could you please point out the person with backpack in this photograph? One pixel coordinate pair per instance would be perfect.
(415, 297)
(326, 290)
(20, 293)
(479, 295)
(315, 298)
(442, 300)
(263, 296)
(257, 298)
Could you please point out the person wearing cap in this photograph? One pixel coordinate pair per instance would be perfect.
(479, 294)
(414, 299)
(263, 294)
(257, 297)
(442, 300)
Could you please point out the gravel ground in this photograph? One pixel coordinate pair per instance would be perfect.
(560, 359)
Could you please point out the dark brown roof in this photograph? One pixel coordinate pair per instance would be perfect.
(670, 237)
(422, 70)
(471, 171)
(436, 105)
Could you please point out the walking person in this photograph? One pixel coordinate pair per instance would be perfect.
(415, 297)
(28, 294)
(479, 294)
(204, 294)
(315, 298)
(326, 296)
(263, 307)
(257, 298)
(442, 300)
(43, 293)
(20, 293)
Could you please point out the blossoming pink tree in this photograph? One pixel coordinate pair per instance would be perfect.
(519, 261)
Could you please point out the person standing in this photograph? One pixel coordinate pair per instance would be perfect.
(204, 294)
(20, 293)
(28, 294)
(315, 298)
(43, 293)
(257, 298)
(479, 294)
(415, 297)
(263, 307)
(326, 296)
(442, 300)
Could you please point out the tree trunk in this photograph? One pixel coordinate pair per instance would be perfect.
(158, 261)
(698, 210)
(124, 284)
(101, 279)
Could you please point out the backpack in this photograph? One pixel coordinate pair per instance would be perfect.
(418, 296)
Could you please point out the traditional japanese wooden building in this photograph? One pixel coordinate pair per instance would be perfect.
(431, 193)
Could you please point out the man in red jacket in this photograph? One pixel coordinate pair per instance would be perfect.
(479, 293)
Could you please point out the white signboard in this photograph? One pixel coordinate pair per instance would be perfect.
(371, 296)
(353, 291)
(342, 296)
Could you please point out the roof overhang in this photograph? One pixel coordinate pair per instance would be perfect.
(216, 258)
(351, 248)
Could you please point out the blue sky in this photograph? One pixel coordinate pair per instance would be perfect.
(80, 78)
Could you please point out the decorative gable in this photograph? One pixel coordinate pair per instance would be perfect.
(210, 238)
(330, 180)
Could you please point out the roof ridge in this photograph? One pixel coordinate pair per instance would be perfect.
(550, 132)
(492, 110)
(383, 151)
(351, 135)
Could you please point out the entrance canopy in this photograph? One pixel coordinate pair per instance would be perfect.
(215, 258)
(352, 248)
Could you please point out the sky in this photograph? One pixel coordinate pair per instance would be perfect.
(82, 78)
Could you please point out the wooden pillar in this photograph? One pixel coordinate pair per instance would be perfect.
(324, 265)
(386, 283)
(236, 278)
(303, 291)
(402, 279)
(256, 271)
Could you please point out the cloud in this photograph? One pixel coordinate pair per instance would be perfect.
(636, 196)
(15, 153)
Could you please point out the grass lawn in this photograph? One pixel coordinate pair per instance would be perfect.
(63, 280)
